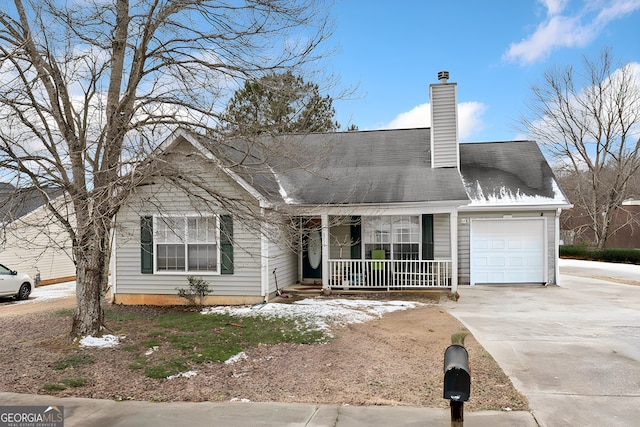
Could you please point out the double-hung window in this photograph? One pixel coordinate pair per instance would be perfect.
(406, 237)
(187, 244)
(398, 236)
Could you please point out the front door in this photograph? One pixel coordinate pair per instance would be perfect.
(312, 253)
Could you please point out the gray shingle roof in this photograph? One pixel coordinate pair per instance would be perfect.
(389, 166)
(514, 172)
(367, 167)
(15, 203)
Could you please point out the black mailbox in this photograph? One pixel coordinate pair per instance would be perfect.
(457, 376)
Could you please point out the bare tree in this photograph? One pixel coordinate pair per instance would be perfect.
(589, 120)
(90, 88)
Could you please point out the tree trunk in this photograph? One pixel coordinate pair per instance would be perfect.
(92, 264)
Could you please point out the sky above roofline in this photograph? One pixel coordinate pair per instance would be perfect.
(494, 50)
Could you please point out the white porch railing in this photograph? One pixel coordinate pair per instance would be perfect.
(389, 274)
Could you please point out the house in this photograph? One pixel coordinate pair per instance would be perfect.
(576, 227)
(385, 210)
(30, 242)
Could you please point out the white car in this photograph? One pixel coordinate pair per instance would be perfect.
(15, 284)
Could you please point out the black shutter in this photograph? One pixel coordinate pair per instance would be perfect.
(226, 244)
(427, 236)
(146, 245)
(356, 237)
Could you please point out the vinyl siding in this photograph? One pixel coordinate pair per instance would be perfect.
(441, 236)
(160, 197)
(464, 241)
(285, 262)
(35, 244)
(444, 125)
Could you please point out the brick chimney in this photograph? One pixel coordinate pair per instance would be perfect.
(444, 123)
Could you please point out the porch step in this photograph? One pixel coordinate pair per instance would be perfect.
(303, 290)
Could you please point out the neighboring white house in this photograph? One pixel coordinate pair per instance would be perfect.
(30, 242)
(385, 210)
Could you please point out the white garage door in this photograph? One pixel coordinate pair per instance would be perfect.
(507, 251)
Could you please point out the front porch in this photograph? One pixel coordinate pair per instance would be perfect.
(390, 275)
(395, 252)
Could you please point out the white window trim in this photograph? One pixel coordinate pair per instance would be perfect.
(186, 271)
(391, 234)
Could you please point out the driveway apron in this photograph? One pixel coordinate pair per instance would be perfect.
(573, 350)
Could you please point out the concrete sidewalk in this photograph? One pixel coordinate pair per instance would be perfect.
(80, 412)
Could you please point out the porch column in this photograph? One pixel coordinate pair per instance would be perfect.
(556, 243)
(325, 252)
(453, 227)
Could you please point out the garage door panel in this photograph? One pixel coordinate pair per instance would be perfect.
(515, 244)
(514, 250)
(515, 262)
(497, 244)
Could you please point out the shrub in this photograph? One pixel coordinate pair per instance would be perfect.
(197, 291)
(629, 256)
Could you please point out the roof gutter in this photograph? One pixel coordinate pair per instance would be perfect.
(497, 207)
(379, 209)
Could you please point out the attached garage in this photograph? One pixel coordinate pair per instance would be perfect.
(508, 251)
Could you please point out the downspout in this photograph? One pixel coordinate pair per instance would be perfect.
(264, 263)
(453, 218)
(326, 289)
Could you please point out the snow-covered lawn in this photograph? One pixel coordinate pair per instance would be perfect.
(320, 312)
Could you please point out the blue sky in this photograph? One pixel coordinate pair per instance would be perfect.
(493, 49)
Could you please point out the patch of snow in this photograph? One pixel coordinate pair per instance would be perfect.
(283, 192)
(187, 374)
(150, 351)
(506, 196)
(51, 292)
(321, 313)
(612, 269)
(105, 341)
(236, 399)
(237, 358)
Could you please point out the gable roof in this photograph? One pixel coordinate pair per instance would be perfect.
(336, 168)
(371, 167)
(384, 167)
(508, 173)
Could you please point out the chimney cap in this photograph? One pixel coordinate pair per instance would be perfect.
(443, 76)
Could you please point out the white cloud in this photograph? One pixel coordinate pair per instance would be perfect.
(469, 118)
(560, 29)
(554, 7)
(417, 117)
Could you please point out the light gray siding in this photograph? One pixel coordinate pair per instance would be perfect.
(464, 240)
(444, 125)
(441, 236)
(161, 198)
(285, 263)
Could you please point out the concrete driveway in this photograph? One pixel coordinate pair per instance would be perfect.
(573, 350)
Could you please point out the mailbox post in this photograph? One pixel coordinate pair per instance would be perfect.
(457, 381)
